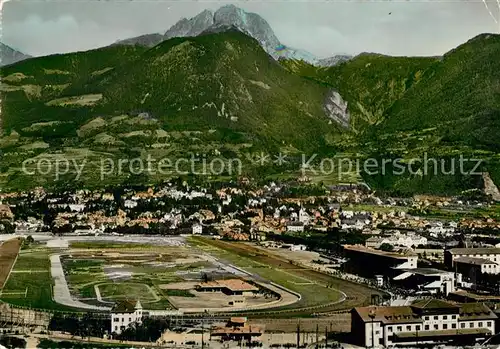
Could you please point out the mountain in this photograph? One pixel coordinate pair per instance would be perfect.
(459, 94)
(370, 83)
(148, 40)
(408, 107)
(332, 61)
(191, 27)
(228, 16)
(218, 94)
(9, 56)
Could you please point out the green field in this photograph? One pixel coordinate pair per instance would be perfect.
(126, 290)
(110, 245)
(30, 283)
(84, 274)
(127, 271)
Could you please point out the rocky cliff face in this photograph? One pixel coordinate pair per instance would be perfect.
(191, 27)
(331, 61)
(490, 188)
(251, 23)
(336, 108)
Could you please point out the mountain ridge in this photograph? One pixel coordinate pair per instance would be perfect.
(218, 94)
(230, 15)
(221, 93)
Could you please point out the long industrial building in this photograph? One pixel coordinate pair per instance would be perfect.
(369, 262)
(429, 321)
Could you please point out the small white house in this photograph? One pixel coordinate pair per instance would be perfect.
(298, 248)
(125, 313)
(197, 229)
(130, 203)
(295, 227)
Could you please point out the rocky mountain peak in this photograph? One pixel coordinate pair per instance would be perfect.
(9, 56)
(231, 16)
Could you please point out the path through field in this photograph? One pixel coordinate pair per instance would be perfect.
(61, 288)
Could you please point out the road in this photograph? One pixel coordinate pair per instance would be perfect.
(61, 289)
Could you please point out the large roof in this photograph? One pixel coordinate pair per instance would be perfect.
(443, 333)
(476, 311)
(238, 320)
(360, 248)
(477, 250)
(410, 314)
(428, 271)
(230, 284)
(125, 306)
(388, 315)
(473, 260)
(255, 330)
(434, 304)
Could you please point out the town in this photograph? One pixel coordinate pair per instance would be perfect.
(422, 270)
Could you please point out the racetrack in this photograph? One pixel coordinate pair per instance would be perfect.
(61, 288)
(316, 288)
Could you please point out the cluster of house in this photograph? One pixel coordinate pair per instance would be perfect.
(238, 213)
(397, 239)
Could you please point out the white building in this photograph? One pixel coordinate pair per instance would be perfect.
(398, 239)
(438, 228)
(490, 253)
(304, 216)
(427, 321)
(480, 265)
(298, 248)
(295, 227)
(197, 229)
(130, 203)
(125, 313)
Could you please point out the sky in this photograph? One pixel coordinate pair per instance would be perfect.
(324, 28)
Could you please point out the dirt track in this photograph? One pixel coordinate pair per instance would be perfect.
(358, 295)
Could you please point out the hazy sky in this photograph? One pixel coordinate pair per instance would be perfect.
(323, 28)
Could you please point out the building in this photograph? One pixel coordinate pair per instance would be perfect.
(397, 239)
(298, 247)
(427, 280)
(197, 229)
(237, 329)
(304, 217)
(237, 301)
(427, 321)
(295, 227)
(125, 313)
(368, 262)
(490, 253)
(6, 213)
(472, 269)
(230, 287)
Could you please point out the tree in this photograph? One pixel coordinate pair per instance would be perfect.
(386, 247)
(148, 331)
